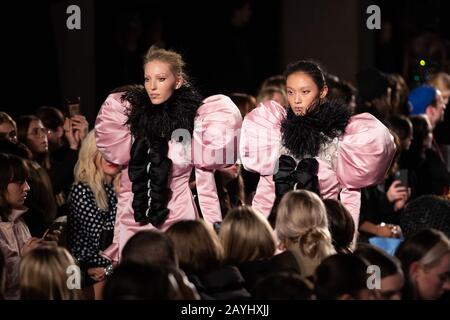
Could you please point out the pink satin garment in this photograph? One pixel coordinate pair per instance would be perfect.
(365, 152)
(114, 141)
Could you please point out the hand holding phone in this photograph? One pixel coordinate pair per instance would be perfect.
(73, 107)
(402, 176)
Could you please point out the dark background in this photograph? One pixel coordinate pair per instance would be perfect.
(43, 63)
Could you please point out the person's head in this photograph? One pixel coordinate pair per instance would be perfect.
(305, 85)
(244, 102)
(14, 173)
(8, 127)
(403, 127)
(425, 259)
(134, 281)
(163, 74)
(33, 134)
(53, 120)
(150, 247)
(246, 236)
(342, 277)
(427, 100)
(44, 274)
(93, 169)
(283, 286)
(278, 81)
(422, 134)
(441, 81)
(340, 224)
(391, 273)
(272, 93)
(341, 91)
(400, 92)
(374, 92)
(302, 221)
(426, 212)
(197, 246)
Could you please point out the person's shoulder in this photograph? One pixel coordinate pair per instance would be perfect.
(80, 187)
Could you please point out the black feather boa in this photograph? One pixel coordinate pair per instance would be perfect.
(154, 121)
(304, 135)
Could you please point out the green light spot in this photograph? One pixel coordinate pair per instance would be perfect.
(422, 63)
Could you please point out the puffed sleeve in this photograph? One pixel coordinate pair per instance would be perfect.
(260, 150)
(214, 145)
(112, 135)
(365, 153)
(364, 156)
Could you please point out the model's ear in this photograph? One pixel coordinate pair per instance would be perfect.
(324, 92)
(179, 82)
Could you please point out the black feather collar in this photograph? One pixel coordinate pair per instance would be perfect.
(148, 120)
(304, 135)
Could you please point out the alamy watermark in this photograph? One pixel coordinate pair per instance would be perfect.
(73, 21)
(374, 20)
(374, 279)
(73, 277)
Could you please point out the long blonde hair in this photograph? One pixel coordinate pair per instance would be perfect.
(302, 219)
(86, 171)
(43, 274)
(246, 236)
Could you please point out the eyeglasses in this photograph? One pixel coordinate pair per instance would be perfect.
(38, 131)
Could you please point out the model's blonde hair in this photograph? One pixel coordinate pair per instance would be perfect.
(87, 171)
(172, 58)
(246, 236)
(43, 274)
(302, 219)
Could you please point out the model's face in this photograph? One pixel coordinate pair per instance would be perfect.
(391, 287)
(16, 194)
(8, 131)
(433, 282)
(302, 92)
(159, 81)
(37, 137)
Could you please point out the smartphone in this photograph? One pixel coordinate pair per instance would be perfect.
(55, 226)
(73, 106)
(402, 175)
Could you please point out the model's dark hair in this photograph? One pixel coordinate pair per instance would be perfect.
(311, 68)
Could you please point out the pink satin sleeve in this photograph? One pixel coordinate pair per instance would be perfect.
(216, 133)
(207, 195)
(351, 199)
(365, 153)
(259, 149)
(260, 142)
(214, 146)
(265, 195)
(113, 137)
